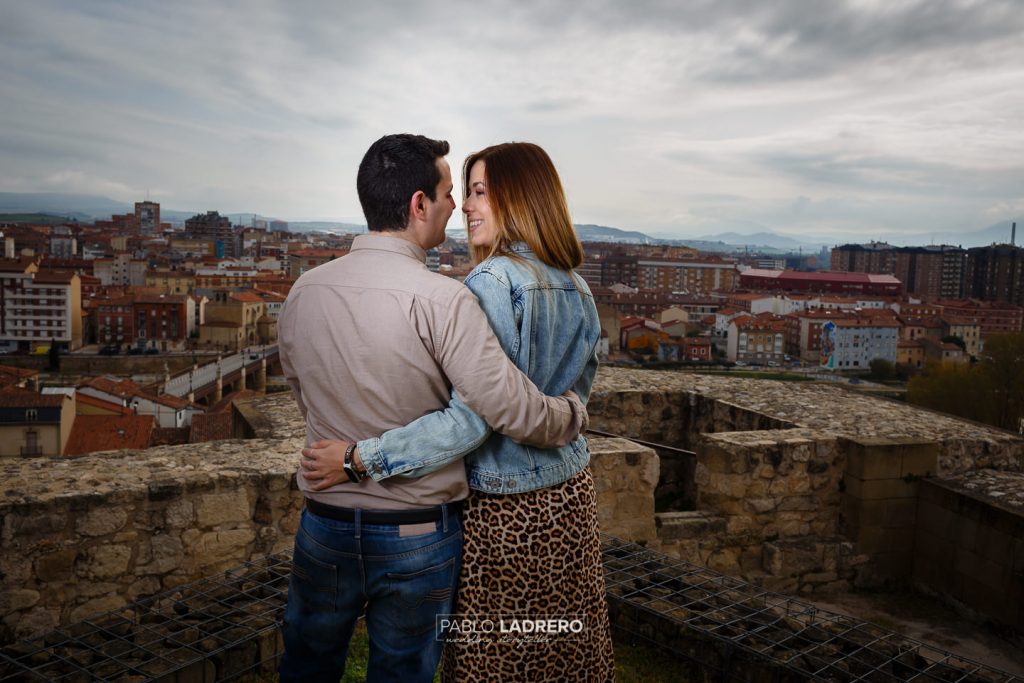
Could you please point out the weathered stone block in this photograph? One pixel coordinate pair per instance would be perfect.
(920, 461)
(762, 505)
(180, 513)
(799, 503)
(874, 459)
(674, 526)
(14, 569)
(995, 576)
(143, 587)
(874, 489)
(101, 521)
(18, 599)
(724, 561)
(26, 527)
(97, 606)
(994, 545)
(222, 546)
(165, 555)
(213, 509)
(35, 621)
(90, 589)
(104, 561)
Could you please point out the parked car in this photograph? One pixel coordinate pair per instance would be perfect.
(110, 350)
(152, 352)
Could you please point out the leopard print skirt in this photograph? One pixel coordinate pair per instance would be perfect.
(529, 557)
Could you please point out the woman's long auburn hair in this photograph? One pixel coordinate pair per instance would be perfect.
(526, 197)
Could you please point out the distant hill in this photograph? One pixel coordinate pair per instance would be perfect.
(86, 208)
(758, 239)
(40, 218)
(602, 233)
(56, 203)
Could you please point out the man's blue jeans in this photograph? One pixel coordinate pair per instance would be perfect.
(404, 582)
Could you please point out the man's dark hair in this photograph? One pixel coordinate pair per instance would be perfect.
(393, 169)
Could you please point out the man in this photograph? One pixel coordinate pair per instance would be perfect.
(369, 342)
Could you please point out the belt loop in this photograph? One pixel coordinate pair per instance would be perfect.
(357, 522)
(444, 517)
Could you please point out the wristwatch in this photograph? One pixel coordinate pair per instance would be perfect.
(350, 467)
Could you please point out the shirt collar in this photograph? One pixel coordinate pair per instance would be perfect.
(382, 241)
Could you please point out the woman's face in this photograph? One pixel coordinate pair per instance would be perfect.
(483, 231)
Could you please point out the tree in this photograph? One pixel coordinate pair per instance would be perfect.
(882, 369)
(991, 391)
(1002, 363)
(955, 389)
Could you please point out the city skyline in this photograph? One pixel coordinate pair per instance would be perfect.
(857, 120)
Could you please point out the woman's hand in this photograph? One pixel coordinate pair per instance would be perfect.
(323, 464)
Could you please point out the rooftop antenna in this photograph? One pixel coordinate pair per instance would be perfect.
(1013, 234)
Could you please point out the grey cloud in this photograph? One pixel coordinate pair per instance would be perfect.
(892, 174)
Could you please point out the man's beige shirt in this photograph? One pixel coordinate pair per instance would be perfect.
(374, 340)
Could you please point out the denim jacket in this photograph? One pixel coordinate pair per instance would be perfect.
(546, 321)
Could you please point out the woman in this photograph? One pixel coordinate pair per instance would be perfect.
(531, 546)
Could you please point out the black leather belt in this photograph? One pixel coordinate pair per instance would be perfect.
(416, 516)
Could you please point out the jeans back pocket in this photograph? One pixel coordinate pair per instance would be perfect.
(314, 583)
(416, 598)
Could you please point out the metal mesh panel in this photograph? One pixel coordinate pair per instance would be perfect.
(728, 626)
(215, 629)
(226, 626)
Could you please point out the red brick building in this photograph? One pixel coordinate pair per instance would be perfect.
(824, 281)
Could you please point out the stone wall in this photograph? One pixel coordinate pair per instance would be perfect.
(775, 463)
(768, 510)
(89, 535)
(801, 487)
(878, 508)
(970, 543)
(625, 476)
(86, 535)
(676, 408)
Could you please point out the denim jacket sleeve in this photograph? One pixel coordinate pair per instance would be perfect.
(427, 443)
(441, 437)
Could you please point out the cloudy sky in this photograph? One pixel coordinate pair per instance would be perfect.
(863, 118)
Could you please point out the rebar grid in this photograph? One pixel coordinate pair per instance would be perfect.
(736, 617)
(225, 626)
(217, 628)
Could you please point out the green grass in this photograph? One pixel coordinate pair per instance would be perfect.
(633, 663)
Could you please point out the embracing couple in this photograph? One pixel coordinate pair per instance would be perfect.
(447, 487)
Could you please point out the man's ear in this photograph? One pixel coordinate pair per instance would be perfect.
(418, 206)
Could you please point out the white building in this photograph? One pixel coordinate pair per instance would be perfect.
(39, 307)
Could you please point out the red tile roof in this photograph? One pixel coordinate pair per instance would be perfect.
(10, 375)
(18, 265)
(246, 297)
(16, 397)
(92, 433)
(113, 386)
(59, 277)
(97, 402)
(210, 427)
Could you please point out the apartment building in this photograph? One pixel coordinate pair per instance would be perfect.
(692, 277)
(38, 307)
